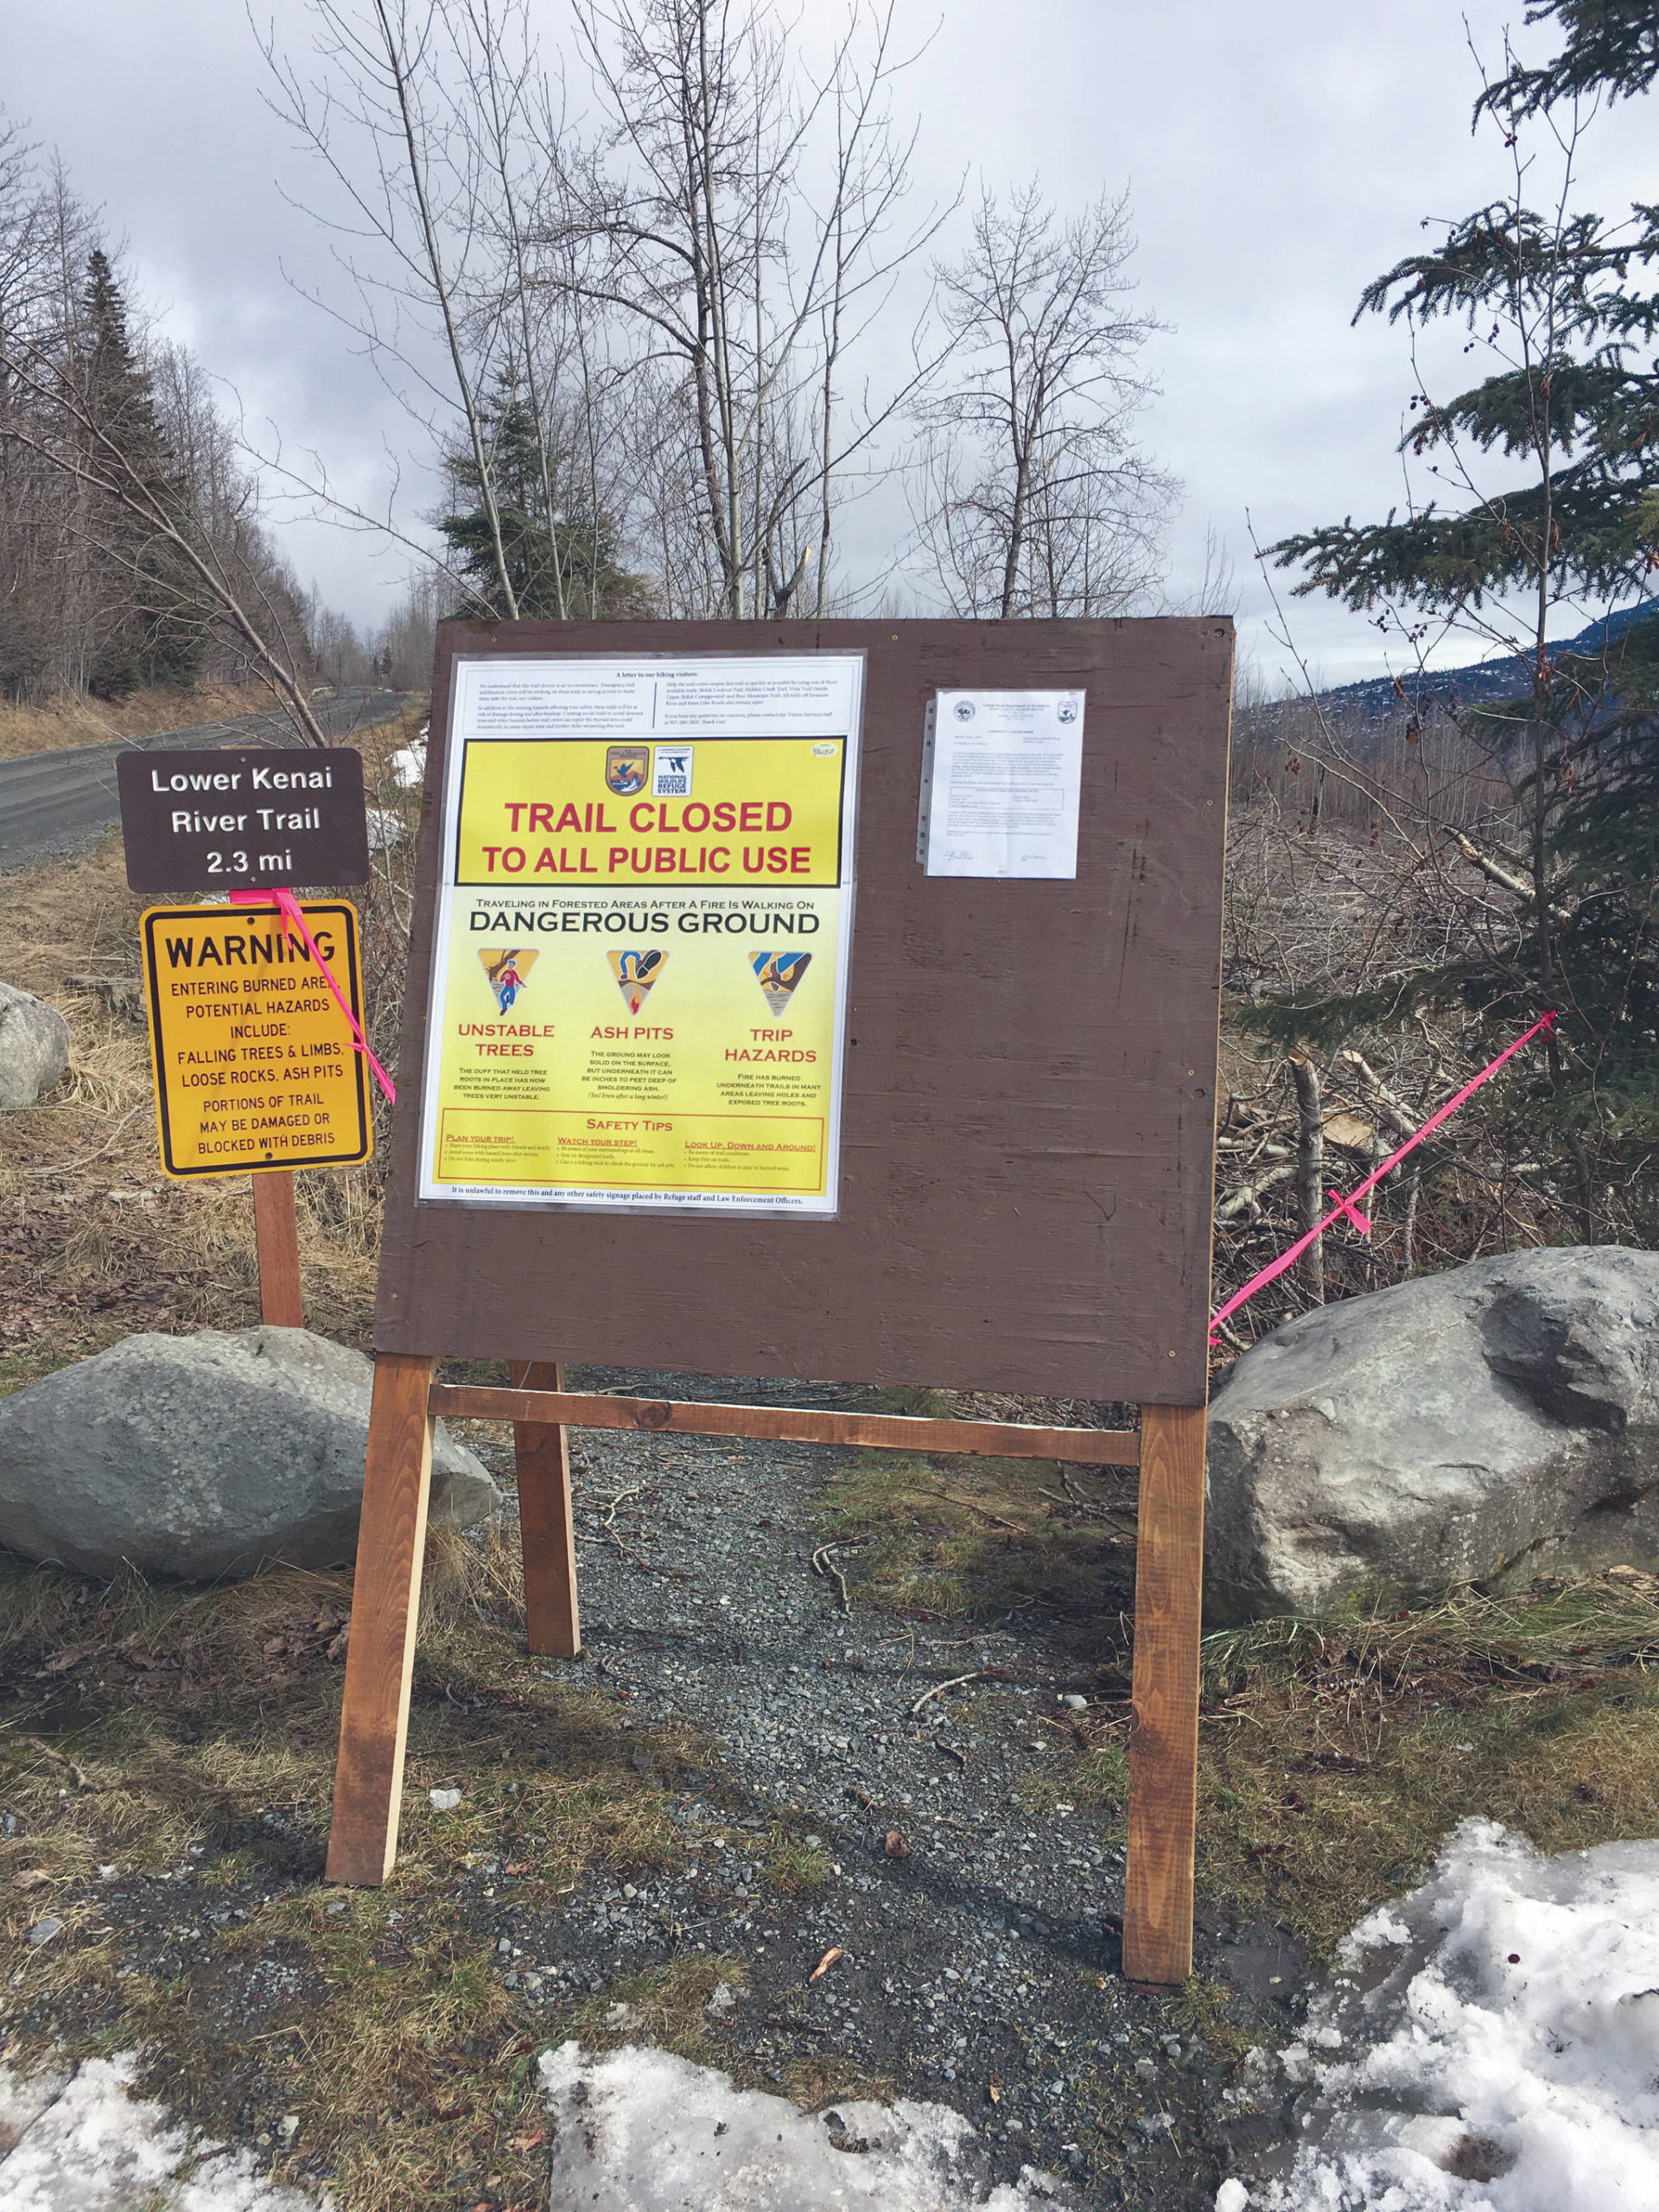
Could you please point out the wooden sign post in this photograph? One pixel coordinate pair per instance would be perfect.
(276, 1247)
(981, 1157)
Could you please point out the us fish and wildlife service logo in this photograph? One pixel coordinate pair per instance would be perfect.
(627, 767)
(1066, 711)
(508, 974)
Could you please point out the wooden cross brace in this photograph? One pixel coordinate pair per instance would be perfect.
(374, 1722)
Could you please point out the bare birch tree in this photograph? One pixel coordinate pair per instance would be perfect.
(742, 222)
(396, 130)
(1035, 499)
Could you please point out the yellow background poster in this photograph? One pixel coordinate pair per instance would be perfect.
(640, 965)
(255, 1063)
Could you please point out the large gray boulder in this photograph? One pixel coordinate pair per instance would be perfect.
(33, 1046)
(202, 1457)
(1492, 1423)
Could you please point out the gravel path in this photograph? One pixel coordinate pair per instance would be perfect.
(981, 1945)
(977, 1940)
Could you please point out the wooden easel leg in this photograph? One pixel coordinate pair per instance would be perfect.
(546, 1528)
(1164, 1743)
(276, 1240)
(385, 1600)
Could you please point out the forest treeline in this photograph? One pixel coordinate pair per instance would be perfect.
(657, 359)
(92, 597)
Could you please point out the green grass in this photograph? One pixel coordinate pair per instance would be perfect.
(1336, 1755)
(791, 1865)
(156, 1728)
(949, 1539)
(665, 2005)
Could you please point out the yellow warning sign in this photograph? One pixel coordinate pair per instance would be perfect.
(255, 1062)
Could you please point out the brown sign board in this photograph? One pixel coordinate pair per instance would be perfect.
(1028, 1112)
(243, 818)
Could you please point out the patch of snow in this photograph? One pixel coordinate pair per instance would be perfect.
(82, 2143)
(386, 826)
(408, 764)
(1232, 2197)
(641, 2131)
(444, 1801)
(1498, 2041)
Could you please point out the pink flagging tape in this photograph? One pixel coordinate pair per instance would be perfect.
(289, 906)
(1349, 1206)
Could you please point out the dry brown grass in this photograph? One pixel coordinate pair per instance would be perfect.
(77, 719)
(1338, 1754)
(95, 1242)
(948, 1538)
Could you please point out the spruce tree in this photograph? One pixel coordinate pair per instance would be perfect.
(564, 562)
(157, 633)
(1613, 47)
(1563, 307)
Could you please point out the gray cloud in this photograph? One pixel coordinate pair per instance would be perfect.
(1278, 157)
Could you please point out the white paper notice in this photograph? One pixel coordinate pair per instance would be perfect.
(1001, 775)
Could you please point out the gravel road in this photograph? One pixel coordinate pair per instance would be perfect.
(63, 802)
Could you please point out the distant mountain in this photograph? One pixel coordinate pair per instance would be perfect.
(1504, 677)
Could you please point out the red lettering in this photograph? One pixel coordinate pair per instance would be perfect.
(800, 859)
(665, 821)
(646, 808)
(665, 859)
(569, 819)
(755, 859)
(695, 806)
(541, 817)
(618, 857)
(545, 863)
(725, 814)
(490, 852)
(778, 814)
(719, 859)
(777, 861)
(513, 858)
(515, 808)
(749, 814)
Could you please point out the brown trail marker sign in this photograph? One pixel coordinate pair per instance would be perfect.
(243, 818)
(991, 1167)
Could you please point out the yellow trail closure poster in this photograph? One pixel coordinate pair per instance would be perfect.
(644, 919)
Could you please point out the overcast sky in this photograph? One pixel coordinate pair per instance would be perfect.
(1277, 156)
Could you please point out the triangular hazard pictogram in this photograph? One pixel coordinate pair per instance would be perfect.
(635, 973)
(778, 974)
(508, 972)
